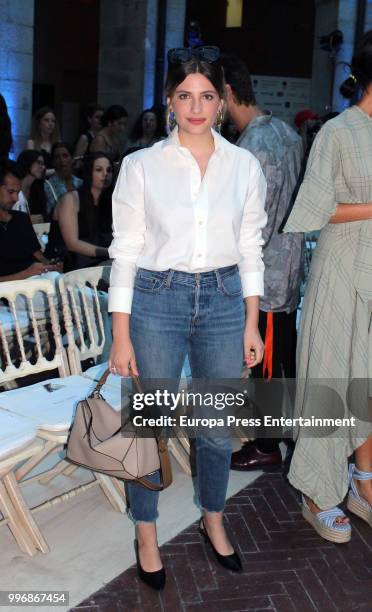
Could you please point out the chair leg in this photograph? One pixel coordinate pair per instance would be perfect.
(34, 461)
(24, 512)
(58, 469)
(119, 486)
(116, 499)
(15, 524)
(180, 456)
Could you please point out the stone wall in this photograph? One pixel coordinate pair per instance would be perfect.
(121, 54)
(128, 50)
(16, 65)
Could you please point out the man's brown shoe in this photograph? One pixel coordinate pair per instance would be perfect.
(250, 458)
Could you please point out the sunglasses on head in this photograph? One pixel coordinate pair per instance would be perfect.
(185, 54)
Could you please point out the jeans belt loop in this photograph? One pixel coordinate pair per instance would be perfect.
(169, 278)
(218, 278)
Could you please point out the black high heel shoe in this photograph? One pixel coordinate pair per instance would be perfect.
(231, 562)
(155, 580)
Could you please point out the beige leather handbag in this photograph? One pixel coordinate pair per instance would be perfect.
(99, 441)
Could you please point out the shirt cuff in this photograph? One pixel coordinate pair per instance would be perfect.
(252, 283)
(120, 299)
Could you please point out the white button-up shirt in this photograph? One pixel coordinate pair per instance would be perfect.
(166, 217)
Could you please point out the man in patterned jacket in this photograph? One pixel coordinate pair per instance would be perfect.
(279, 150)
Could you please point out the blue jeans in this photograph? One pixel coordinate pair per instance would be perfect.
(175, 314)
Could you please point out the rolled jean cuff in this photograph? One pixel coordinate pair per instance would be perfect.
(204, 509)
(135, 521)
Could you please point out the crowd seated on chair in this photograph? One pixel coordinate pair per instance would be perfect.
(74, 327)
(31, 166)
(63, 180)
(20, 253)
(80, 232)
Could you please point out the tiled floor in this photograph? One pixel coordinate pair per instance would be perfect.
(287, 567)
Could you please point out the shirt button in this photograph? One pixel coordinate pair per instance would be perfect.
(200, 222)
(200, 254)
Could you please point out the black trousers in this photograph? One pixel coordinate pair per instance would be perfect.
(284, 360)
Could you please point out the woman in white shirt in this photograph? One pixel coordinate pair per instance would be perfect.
(188, 214)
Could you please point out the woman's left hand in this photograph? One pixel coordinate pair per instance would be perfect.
(253, 347)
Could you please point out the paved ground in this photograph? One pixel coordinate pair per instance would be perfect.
(287, 567)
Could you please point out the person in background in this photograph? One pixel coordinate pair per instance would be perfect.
(62, 180)
(44, 133)
(80, 231)
(334, 369)
(148, 129)
(20, 254)
(31, 167)
(93, 115)
(6, 140)
(108, 139)
(279, 150)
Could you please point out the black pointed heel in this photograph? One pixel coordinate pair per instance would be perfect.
(231, 562)
(155, 580)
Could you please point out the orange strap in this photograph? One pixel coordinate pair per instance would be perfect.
(269, 347)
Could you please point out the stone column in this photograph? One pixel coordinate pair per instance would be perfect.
(128, 50)
(122, 53)
(176, 13)
(16, 66)
(174, 37)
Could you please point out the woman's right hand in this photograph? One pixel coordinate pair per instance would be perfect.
(122, 360)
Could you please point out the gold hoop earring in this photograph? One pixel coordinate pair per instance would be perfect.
(171, 119)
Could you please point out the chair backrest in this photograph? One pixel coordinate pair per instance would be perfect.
(42, 230)
(85, 313)
(30, 335)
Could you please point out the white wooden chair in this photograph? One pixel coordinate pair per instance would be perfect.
(37, 403)
(42, 230)
(85, 315)
(87, 332)
(14, 362)
(18, 444)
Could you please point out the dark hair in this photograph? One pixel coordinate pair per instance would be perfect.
(113, 113)
(179, 71)
(85, 194)
(92, 108)
(87, 172)
(7, 166)
(6, 140)
(26, 159)
(61, 145)
(35, 130)
(238, 77)
(136, 132)
(361, 68)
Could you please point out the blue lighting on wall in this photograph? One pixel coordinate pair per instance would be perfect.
(7, 90)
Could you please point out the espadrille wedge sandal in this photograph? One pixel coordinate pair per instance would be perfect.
(325, 523)
(355, 503)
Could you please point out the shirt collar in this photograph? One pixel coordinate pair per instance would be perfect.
(220, 143)
(263, 119)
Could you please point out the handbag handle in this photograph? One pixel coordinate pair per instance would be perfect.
(165, 465)
(105, 376)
